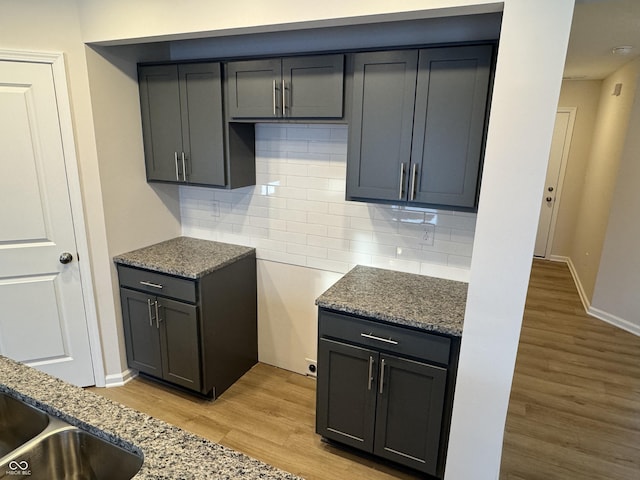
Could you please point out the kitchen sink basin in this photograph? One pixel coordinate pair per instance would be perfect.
(19, 423)
(42, 446)
(72, 454)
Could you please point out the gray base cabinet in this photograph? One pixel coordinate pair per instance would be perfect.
(385, 389)
(197, 334)
(291, 87)
(417, 126)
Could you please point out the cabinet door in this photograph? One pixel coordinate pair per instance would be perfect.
(313, 86)
(254, 88)
(202, 127)
(141, 333)
(409, 412)
(180, 340)
(161, 124)
(448, 136)
(380, 129)
(346, 392)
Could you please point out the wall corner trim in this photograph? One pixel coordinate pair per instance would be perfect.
(120, 379)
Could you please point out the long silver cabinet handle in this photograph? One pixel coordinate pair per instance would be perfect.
(175, 158)
(274, 98)
(370, 372)
(150, 315)
(284, 97)
(401, 190)
(150, 284)
(184, 169)
(157, 314)
(380, 339)
(382, 376)
(414, 171)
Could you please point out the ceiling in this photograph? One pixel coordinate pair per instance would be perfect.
(599, 26)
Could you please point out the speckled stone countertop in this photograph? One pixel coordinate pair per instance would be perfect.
(169, 452)
(184, 256)
(427, 303)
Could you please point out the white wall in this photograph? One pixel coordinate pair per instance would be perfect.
(616, 296)
(136, 213)
(604, 160)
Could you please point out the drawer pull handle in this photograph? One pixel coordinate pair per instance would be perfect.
(150, 284)
(373, 337)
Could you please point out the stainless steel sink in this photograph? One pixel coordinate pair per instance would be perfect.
(40, 446)
(19, 423)
(72, 454)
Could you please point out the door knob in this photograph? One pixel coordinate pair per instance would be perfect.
(65, 258)
(548, 200)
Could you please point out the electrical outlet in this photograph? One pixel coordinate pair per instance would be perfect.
(312, 367)
(429, 235)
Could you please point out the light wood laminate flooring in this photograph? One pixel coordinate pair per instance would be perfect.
(574, 411)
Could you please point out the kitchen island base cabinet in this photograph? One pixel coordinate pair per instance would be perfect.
(199, 334)
(379, 398)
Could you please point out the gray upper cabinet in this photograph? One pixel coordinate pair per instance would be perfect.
(418, 123)
(448, 130)
(292, 87)
(384, 86)
(182, 123)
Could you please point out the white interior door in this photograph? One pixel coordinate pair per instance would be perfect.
(560, 144)
(42, 321)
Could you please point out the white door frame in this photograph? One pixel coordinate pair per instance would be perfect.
(56, 60)
(563, 168)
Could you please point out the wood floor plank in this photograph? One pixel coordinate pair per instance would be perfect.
(574, 411)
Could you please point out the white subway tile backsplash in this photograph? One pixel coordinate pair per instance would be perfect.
(297, 213)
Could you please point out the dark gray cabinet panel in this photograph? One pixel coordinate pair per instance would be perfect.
(141, 334)
(381, 121)
(202, 127)
(451, 103)
(180, 341)
(254, 88)
(293, 87)
(381, 399)
(313, 86)
(346, 402)
(204, 337)
(161, 125)
(417, 130)
(182, 123)
(409, 412)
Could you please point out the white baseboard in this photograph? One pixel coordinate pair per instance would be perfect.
(614, 320)
(119, 379)
(590, 310)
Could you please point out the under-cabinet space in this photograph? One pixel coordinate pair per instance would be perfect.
(288, 88)
(417, 127)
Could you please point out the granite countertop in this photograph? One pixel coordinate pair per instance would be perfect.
(184, 256)
(427, 303)
(169, 452)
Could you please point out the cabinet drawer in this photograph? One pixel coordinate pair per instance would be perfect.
(381, 336)
(157, 283)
